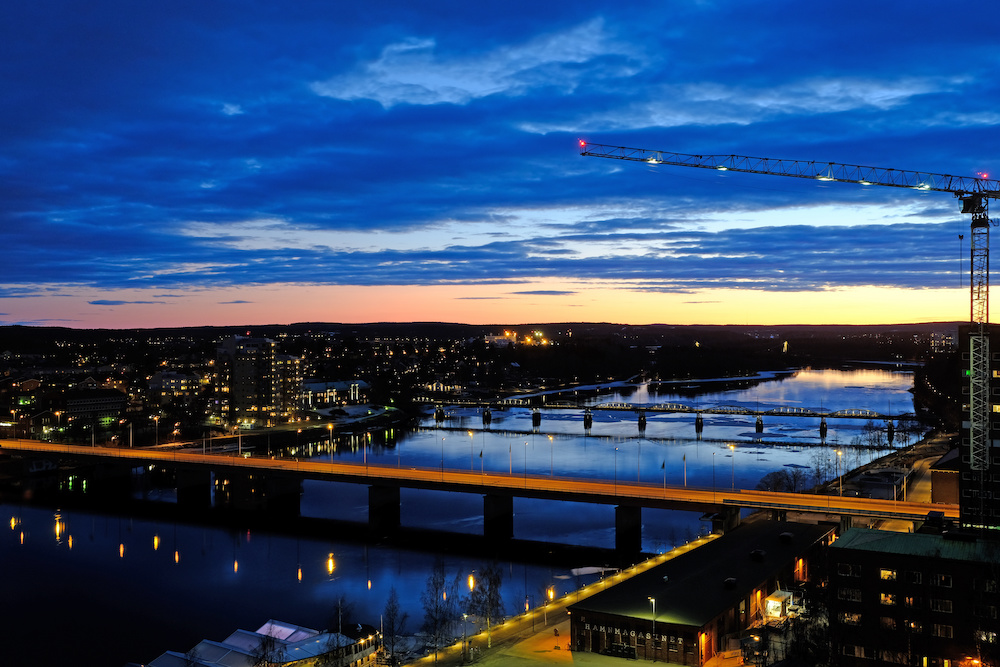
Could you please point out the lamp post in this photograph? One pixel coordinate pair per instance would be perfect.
(525, 464)
(652, 601)
(156, 429)
(732, 454)
(840, 480)
(713, 476)
(616, 471)
(472, 442)
(551, 466)
(465, 642)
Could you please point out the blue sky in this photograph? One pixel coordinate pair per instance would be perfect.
(199, 163)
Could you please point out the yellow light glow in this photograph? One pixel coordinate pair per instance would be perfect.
(236, 565)
(13, 522)
(22, 537)
(156, 542)
(69, 541)
(299, 575)
(121, 550)
(330, 565)
(472, 582)
(369, 584)
(177, 557)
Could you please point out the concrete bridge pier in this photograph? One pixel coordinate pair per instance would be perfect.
(283, 494)
(194, 488)
(111, 479)
(498, 518)
(628, 529)
(383, 508)
(725, 520)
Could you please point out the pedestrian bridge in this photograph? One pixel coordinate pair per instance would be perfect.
(782, 411)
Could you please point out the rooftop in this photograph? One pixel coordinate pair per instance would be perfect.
(697, 586)
(946, 546)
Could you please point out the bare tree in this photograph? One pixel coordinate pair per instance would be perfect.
(269, 652)
(394, 622)
(486, 600)
(440, 610)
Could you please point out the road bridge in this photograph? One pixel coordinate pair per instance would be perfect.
(498, 489)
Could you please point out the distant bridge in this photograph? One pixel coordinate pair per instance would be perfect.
(784, 411)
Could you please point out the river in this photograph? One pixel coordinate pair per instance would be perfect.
(93, 589)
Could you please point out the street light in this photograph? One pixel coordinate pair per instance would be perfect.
(840, 480)
(732, 453)
(616, 470)
(652, 600)
(465, 618)
(525, 464)
(550, 457)
(156, 440)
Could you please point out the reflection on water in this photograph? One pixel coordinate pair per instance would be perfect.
(166, 586)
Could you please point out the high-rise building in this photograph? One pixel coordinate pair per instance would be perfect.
(248, 381)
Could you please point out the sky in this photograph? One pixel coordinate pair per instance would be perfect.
(228, 163)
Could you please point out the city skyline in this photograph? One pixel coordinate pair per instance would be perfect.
(255, 164)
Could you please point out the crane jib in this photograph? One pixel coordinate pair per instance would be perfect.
(812, 169)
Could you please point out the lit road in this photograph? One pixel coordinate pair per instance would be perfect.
(519, 485)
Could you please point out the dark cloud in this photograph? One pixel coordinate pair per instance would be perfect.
(111, 302)
(145, 146)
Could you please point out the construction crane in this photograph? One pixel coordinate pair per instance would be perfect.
(973, 192)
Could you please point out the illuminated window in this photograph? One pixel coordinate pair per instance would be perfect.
(850, 618)
(887, 575)
(887, 598)
(985, 636)
(887, 623)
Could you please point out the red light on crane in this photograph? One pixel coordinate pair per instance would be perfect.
(583, 144)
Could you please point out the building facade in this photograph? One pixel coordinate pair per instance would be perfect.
(700, 603)
(913, 599)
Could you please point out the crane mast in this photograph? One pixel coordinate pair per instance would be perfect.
(974, 194)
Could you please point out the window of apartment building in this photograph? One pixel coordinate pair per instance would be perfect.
(912, 601)
(887, 598)
(887, 623)
(914, 577)
(850, 618)
(849, 569)
(940, 630)
(943, 580)
(849, 594)
(985, 585)
(914, 627)
(887, 575)
(853, 650)
(941, 605)
(986, 611)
